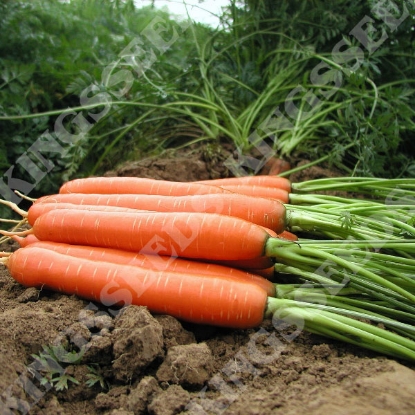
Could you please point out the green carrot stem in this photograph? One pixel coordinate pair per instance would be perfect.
(369, 185)
(407, 245)
(274, 249)
(386, 220)
(389, 264)
(342, 328)
(319, 223)
(309, 270)
(342, 302)
(308, 275)
(317, 199)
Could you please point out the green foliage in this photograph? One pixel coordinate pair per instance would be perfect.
(94, 377)
(53, 363)
(211, 85)
(50, 361)
(52, 51)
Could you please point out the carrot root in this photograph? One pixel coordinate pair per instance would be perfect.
(25, 197)
(14, 207)
(21, 233)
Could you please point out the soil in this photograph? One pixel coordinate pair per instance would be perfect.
(134, 362)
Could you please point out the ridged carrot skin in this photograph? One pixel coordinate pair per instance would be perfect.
(259, 191)
(39, 209)
(194, 298)
(137, 185)
(261, 180)
(154, 262)
(265, 212)
(189, 235)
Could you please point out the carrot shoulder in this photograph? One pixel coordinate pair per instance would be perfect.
(194, 298)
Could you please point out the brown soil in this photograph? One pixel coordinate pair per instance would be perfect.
(138, 363)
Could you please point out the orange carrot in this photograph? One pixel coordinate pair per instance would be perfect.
(265, 270)
(154, 262)
(191, 235)
(255, 265)
(261, 180)
(260, 266)
(195, 298)
(38, 209)
(265, 212)
(259, 191)
(137, 185)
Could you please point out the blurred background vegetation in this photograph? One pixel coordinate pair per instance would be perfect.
(212, 86)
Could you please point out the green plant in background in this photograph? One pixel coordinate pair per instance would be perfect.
(51, 51)
(211, 86)
(240, 76)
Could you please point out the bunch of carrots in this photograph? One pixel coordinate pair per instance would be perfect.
(210, 252)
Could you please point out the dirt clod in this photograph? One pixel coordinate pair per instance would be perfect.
(189, 365)
(173, 332)
(169, 402)
(138, 341)
(98, 350)
(142, 394)
(115, 398)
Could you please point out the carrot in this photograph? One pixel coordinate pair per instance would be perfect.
(38, 209)
(259, 191)
(154, 262)
(137, 185)
(219, 301)
(265, 270)
(261, 180)
(262, 265)
(191, 235)
(265, 212)
(200, 299)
